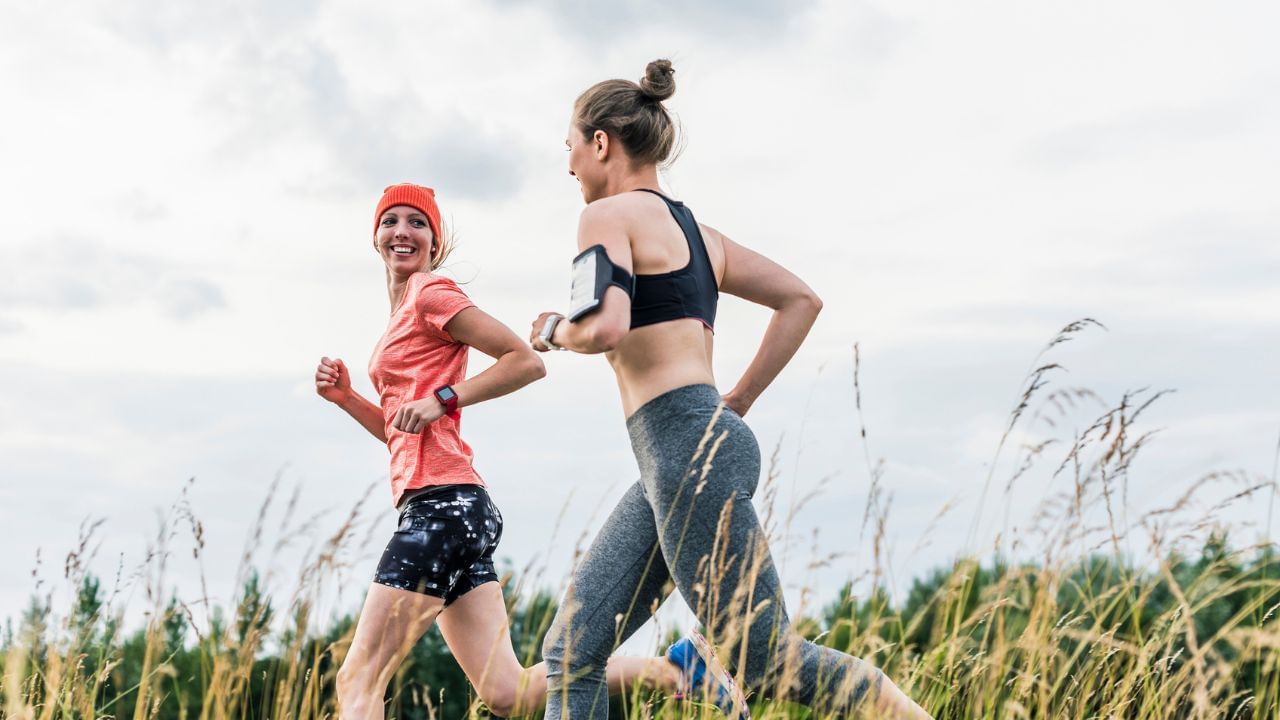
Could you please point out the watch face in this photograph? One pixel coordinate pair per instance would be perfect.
(445, 394)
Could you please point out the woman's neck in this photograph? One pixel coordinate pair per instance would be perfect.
(396, 287)
(632, 179)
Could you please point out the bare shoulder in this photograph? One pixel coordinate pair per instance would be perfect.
(606, 222)
(603, 214)
(712, 236)
(716, 243)
(617, 206)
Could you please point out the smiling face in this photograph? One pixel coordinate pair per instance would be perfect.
(404, 240)
(585, 163)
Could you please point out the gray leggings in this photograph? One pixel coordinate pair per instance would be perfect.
(690, 519)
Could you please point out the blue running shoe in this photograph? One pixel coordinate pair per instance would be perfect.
(703, 677)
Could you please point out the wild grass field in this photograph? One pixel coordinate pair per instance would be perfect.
(1075, 625)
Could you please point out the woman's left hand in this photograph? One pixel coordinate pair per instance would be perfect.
(535, 335)
(737, 404)
(414, 417)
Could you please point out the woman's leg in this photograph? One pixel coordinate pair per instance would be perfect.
(615, 589)
(742, 608)
(625, 672)
(433, 541)
(475, 627)
(700, 478)
(390, 623)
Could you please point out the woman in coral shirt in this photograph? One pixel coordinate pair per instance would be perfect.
(438, 566)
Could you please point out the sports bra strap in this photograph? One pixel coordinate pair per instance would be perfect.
(689, 292)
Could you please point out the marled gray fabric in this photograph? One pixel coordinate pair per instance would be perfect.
(699, 467)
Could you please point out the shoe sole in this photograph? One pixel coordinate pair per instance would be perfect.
(738, 701)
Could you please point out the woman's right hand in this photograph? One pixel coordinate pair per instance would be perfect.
(333, 382)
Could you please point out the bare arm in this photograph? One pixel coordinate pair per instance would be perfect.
(603, 329)
(752, 276)
(333, 383)
(516, 366)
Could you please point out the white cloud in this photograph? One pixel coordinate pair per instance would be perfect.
(714, 21)
(68, 273)
(194, 186)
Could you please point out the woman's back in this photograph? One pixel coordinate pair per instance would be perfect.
(655, 357)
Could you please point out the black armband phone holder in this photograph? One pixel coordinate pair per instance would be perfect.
(593, 273)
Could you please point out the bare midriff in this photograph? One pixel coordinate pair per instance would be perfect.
(655, 359)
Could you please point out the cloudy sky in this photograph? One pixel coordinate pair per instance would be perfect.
(188, 191)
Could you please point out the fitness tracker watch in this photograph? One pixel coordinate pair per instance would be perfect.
(449, 399)
(549, 331)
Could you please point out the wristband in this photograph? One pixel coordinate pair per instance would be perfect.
(549, 331)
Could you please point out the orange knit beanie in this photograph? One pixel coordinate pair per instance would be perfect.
(418, 197)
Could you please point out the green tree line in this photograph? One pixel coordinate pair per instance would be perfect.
(1196, 636)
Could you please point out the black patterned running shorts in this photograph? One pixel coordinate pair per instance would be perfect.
(444, 544)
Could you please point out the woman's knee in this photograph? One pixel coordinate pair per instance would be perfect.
(508, 693)
(346, 678)
(350, 678)
(356, 677)
(568, 646)
(501, 700)
(553, 646)
(351, 684)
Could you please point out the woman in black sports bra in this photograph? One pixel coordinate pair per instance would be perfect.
(689, 519)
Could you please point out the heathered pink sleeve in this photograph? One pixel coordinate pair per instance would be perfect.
(438, 301)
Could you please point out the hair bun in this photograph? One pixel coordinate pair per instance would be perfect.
(659, 82)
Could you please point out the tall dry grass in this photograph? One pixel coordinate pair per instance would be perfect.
(1090, 609)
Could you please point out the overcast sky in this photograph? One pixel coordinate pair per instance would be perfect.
(188, 193)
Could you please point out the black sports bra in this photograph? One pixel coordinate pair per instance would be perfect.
(690, 292)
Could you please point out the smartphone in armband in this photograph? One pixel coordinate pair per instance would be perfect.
(593, 273)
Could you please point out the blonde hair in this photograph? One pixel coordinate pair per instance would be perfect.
(444, 245)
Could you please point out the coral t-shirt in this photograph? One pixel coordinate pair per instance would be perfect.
(414, 357)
